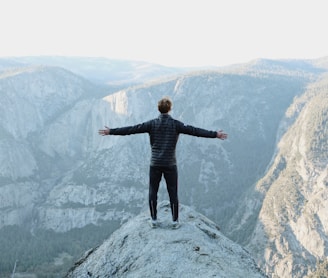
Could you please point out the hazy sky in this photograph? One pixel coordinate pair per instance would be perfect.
(168, 32)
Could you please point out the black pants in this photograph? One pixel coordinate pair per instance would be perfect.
(171, 177)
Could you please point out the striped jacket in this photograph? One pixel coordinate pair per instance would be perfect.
(164, 134)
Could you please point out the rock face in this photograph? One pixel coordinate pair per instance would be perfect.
(290, 234)
(196, 249)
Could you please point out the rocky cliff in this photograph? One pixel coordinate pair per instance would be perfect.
(196, 249)
(291, 200)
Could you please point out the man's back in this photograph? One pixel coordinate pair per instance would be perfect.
(164, 135)
(163, 139)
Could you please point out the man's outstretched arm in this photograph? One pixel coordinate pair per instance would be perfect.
(128, 130)
(200, 132)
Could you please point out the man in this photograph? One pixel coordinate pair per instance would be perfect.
(164, 133)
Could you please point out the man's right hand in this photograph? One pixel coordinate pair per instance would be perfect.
(104, 132)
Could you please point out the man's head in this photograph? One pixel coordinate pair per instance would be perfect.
(164, 105)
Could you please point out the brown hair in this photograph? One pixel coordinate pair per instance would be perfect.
(164, 105)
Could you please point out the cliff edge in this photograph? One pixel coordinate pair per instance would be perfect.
(196, 249)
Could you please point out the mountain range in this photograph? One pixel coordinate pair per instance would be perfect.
(65, 189)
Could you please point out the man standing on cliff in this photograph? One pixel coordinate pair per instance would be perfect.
(164, 133)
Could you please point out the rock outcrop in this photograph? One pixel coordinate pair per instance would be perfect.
(196, 249)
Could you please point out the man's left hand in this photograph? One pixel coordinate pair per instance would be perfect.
(221, 135)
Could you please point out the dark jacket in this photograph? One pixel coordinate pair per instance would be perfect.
(164, 134)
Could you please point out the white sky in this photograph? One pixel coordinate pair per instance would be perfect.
(168, 32)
